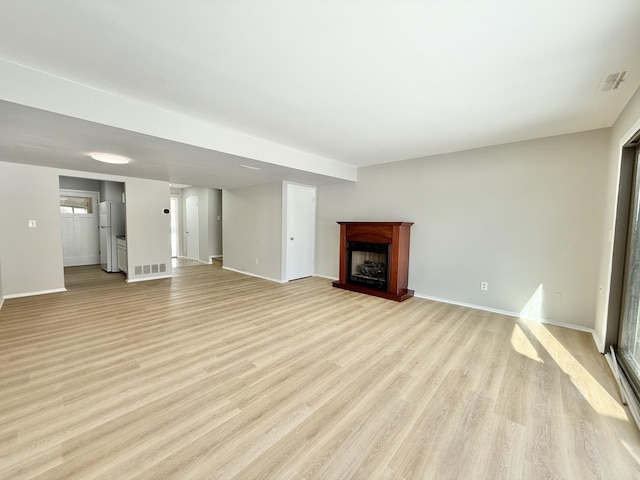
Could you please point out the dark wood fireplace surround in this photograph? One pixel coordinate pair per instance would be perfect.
(394, 234)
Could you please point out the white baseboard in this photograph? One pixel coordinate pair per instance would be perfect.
(254, 275)
(596, 338)
(335, 279)
(599, 343)
(1, 302)
(144, 279)
(508, 313)
(204, 262)
(30, 294)
(515, 314)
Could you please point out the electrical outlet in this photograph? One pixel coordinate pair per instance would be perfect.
(256, 260)
(484, 286)
(32, 224)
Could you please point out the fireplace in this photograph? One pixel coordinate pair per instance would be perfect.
(374, 258)
(367, 264)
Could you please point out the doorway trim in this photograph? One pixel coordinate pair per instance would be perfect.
(177, 198)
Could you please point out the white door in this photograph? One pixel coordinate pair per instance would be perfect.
(191, 232)
(301, 227)
(80, 233)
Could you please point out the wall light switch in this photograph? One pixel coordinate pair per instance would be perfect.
(32, 224)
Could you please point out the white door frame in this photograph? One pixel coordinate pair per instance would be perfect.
(285, 237)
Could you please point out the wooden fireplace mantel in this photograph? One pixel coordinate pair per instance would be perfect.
(394, 234)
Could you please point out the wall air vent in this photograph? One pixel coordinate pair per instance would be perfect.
(150, 269)
(612, 81)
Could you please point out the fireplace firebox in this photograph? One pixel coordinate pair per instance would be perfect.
(367, 264)
(374, 258)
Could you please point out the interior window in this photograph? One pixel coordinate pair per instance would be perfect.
(76, 205)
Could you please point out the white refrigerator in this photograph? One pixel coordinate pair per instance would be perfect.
(112, 224)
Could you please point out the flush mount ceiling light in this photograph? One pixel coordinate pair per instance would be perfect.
(250, 167)
(110, 158)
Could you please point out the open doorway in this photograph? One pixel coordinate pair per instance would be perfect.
(196, 225)
(92, 239)
(623, 320)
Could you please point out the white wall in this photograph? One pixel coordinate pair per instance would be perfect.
(73, 183)
(626, 125)
(252, 228)
(111, 191)
(32, 258)
(517, 216)
(148, 228)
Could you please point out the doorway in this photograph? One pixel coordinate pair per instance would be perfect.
(300, 231)
(622, 334)
(629, 334)
(79, 226)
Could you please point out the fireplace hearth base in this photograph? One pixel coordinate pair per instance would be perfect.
(359, 240)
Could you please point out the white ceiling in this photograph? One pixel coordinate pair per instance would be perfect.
(330, 82)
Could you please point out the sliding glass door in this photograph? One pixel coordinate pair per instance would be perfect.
(629, 335)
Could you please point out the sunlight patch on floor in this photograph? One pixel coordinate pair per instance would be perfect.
(600, 400)
(597, 396)
(522, 345)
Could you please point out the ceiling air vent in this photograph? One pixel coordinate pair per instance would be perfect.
(612, 81)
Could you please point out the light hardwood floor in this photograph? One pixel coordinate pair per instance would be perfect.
(212, 374)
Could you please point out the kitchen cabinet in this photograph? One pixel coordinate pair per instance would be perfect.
(121, 243)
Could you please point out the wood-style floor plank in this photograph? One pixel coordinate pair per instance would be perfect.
(213, 374)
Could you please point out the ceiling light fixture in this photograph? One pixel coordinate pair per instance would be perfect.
(110, 158)
(250, 167)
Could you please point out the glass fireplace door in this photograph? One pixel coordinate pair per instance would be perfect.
(367, 264)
